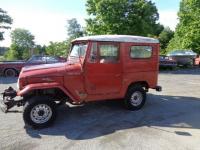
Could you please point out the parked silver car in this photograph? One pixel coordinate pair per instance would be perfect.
(183, 57)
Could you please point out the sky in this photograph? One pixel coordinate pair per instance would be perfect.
(47, 19)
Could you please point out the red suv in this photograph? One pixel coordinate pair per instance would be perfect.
(98, 68)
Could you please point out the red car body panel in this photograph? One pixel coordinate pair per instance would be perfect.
(84, 81)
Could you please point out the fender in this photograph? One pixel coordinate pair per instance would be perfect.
(36, 86)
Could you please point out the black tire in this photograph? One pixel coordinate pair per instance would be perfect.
(129, 103)
(10, 72)
(31, 105)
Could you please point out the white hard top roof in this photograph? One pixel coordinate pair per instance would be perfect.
(118, 38)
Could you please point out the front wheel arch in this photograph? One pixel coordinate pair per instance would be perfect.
(35, 89)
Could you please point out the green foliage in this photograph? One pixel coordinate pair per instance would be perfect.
(5, 21)
(12, 53)
(158, 29)
(22, 46)
(187, 34)
(40, 50)
(164, 37)
(1, 58)
(58, 48)
(22, 38)
(74, 29)
(132, 17)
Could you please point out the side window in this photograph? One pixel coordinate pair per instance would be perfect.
(141, 52)
(93, 53)
(109, 53)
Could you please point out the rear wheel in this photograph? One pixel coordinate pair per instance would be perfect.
(10, 73)
(39, 112)
(135, 97)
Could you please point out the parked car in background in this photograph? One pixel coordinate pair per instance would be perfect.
(183, 57)
(167, 62)
(13, 68)
(197, 61)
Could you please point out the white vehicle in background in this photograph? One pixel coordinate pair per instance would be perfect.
(183, 57)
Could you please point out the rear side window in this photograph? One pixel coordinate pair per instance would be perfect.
(141, 52)
(109, 53)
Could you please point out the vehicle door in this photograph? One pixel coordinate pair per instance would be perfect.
(103, 71)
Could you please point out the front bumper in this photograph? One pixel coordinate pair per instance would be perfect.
(8, 101)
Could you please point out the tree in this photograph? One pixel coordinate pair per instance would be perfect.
(12, 53)
(22, 46)
(187, 34)
(41, 50)
(133, 17)
(158, 29)
(5, 21)
(164, 37)
(74, 29)
(58, 48)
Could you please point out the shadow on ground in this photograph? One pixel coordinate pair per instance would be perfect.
(104, 118)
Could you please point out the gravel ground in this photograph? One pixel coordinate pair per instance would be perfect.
(169, 120)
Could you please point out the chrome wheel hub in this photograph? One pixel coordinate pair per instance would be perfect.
(41, 113)
(136, 98)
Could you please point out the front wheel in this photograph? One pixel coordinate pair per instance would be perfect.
(39, 112)
(135, 98)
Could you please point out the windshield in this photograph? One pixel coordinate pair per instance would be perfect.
(78, 50)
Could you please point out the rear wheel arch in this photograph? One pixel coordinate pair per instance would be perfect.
(143, 84)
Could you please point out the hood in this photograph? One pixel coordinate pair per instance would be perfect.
(43, 66)
(57, 69)
(43, 70)
(47, 73)
(41, 73)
